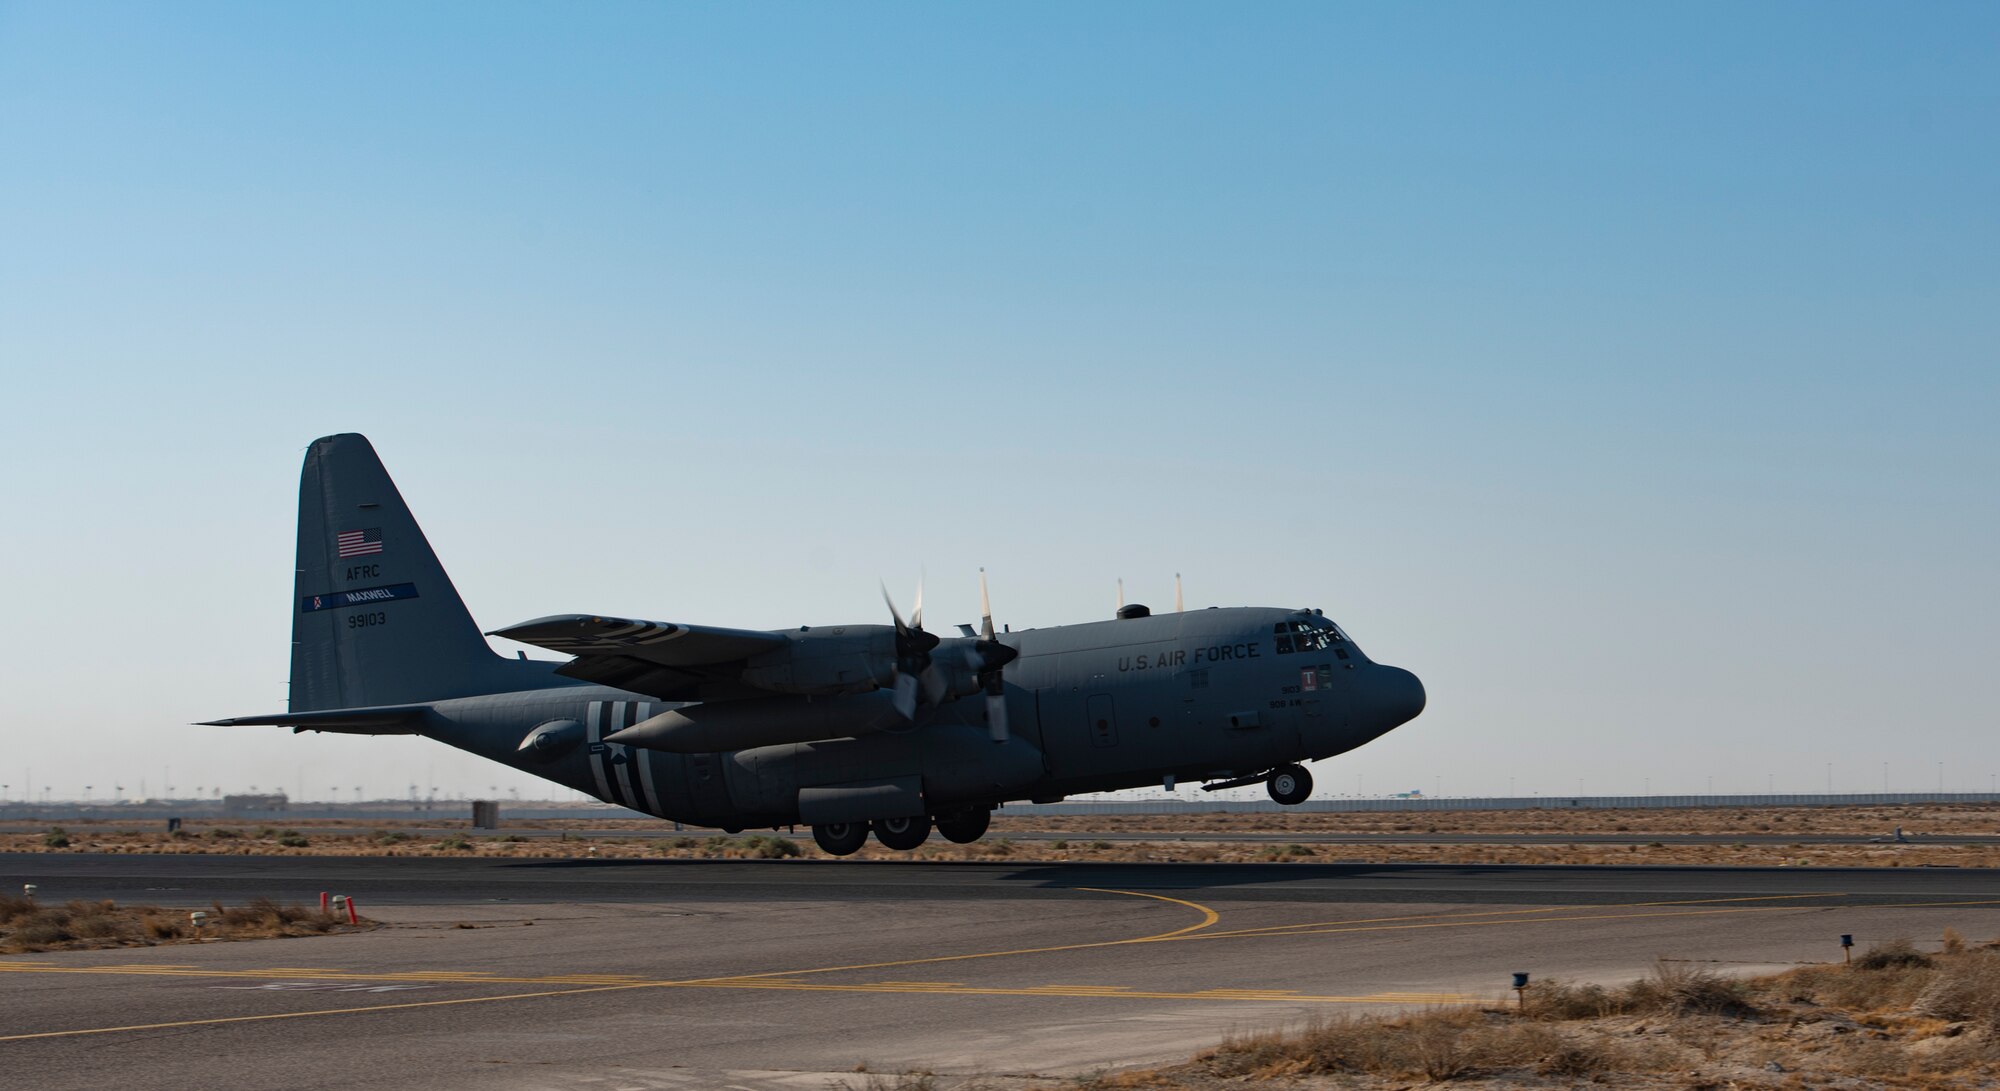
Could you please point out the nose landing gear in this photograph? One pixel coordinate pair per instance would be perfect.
(1290, 785)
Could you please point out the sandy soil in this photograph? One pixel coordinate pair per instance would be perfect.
(608, 838)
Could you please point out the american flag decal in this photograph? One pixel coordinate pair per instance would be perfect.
(355, 543)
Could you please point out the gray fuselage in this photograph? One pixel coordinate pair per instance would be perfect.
(1209, 694)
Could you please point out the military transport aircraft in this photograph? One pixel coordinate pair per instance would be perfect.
(852, 729)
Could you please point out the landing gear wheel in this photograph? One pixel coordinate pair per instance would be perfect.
(964, 827)
(841, 838)
(1290, 784)
(902, 834)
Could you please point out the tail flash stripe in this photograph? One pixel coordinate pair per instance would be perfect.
(599, 753)
(622, 717)
(614, 711)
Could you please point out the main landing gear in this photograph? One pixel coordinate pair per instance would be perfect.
(1289, 784)
(901, 834)
(841, 838)
(964, 827)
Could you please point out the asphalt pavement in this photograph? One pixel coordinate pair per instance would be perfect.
(791, 973)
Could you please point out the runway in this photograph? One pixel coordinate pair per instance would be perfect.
(789, 974)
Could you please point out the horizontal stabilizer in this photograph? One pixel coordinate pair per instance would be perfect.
(380, 720)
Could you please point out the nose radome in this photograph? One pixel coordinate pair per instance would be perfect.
(1392, 696)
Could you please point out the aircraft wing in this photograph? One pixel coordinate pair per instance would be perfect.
(663, 659)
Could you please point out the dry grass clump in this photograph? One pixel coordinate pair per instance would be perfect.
(1897, 954)
(1679, 989)
(1673, 988)
(1897, 1017)
(1887, 978)
(1439, 1044)
(1965, 989)
(27, 925)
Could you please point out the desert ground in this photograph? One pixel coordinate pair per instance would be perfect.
(1769, 837)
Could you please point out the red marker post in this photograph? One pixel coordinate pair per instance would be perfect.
(352, 916)
(322, 902)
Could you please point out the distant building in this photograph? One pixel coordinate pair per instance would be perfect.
(273, 803)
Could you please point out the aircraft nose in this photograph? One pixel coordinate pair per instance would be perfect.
(1392, 696)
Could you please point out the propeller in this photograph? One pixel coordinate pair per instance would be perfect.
(989, 658)
(913, 653)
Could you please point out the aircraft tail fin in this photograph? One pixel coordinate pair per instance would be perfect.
(375, 619)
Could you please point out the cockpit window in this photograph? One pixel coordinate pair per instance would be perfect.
(1307, 634)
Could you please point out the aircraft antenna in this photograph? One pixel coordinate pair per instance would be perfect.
(1178, 608)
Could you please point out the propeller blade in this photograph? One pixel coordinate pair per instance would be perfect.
(985, 608)
(917, 612)
(1121, 592)
(906, 696)
(891, 604)
(996, 717)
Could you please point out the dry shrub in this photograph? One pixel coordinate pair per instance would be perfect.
(94, 920)
(264, 916)
(260, 913)
(1563, 1000)
(1897, 954)
(764, 846)
(1856, 989)
(1581, 1057)
(1676, 988)
(1965, 989)
(163, 926)
(1440, 1044)
(14, 906)
(37, 933)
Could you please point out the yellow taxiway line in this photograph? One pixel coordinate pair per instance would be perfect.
(787, 979)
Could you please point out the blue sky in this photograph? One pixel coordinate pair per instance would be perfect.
(1627, 372)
